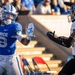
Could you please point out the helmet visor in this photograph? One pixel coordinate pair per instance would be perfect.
(7, 15)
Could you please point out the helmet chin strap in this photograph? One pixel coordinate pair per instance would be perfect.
(7, 21)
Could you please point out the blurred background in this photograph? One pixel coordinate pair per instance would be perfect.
(47, 15)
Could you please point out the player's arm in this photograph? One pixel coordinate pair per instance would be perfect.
(67, 42)
(23, 40)
(29, 35)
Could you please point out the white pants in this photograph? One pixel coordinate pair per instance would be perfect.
(10, 64)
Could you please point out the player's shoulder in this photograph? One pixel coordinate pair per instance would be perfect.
(16, 25)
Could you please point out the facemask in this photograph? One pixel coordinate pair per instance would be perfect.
(8, 21)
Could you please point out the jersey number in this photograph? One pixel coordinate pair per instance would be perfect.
(3, 42)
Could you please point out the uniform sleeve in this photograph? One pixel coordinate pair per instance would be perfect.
(18, 30)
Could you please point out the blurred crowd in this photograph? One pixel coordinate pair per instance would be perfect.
(52, 7)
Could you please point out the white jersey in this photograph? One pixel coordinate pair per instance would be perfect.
(41, 9)
(73, 46)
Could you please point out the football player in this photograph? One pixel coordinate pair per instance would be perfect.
(10, 32)
(69, 67)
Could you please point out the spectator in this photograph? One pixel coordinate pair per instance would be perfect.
(44, 7)
(36, 2)
(57, 10)
(6, 2)
(29, 5)
(54, 5)
(18, 5)
(63, 7)
(20, 8)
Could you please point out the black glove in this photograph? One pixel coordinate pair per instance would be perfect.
(50, 35)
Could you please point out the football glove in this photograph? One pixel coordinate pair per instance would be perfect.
(30, 31)
(67, 42)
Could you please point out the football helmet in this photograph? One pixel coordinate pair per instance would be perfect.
(9, 14)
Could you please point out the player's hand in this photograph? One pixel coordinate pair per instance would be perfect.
(30, 31)
(50, 34)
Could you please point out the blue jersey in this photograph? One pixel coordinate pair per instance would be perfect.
(28, 3)
(7, 40)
